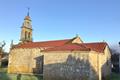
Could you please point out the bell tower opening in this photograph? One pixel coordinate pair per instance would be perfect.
(26, 32)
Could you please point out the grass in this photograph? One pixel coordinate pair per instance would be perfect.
(5, 76)
(3, 70)
(24, 77)
(115, 76)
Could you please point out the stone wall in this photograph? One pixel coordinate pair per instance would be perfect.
(105, 63)
(61, 65)
(101, 63)
(68, 66)
(23, 60)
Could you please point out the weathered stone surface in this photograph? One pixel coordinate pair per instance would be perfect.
(76, 65)
(61, 65)
(67, 66)
(23, 60)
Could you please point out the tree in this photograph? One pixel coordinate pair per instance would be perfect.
(2, 44)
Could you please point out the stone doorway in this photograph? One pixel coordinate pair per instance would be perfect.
(39, 65)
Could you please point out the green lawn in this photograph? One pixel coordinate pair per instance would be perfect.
(115, 76)
(5, 76)
(3, 69)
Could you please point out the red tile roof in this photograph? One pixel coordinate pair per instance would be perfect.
(98, 47)
(69, 47)
(64, 45)
(45, 44)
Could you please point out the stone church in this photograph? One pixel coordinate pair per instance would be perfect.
(67, 59)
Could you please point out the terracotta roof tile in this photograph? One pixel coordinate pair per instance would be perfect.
(69, 47)
(62, 45)
(98, 46)
(43, 44)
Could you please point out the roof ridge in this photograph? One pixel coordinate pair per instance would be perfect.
(94, 43)
(50, 41)
(84, 46)
(68, 47)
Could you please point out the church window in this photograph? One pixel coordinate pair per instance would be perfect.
(29, 35)
(25, 34)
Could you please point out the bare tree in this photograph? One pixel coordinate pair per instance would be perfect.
(2, 44)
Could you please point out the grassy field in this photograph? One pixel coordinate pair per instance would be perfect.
(5, 76)
(115, 76)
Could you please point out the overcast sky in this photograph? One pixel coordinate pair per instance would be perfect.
(93, 20)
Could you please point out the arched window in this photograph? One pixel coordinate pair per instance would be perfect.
(29, 35)
(25, 34)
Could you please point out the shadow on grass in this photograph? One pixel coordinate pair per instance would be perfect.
(26, 77)
(19, 77)
(115, 76)
(4, 76)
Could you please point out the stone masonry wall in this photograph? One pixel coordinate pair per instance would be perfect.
(23, 60)
(68, 66)
(101, 63)
(61, 65)
(105, 63)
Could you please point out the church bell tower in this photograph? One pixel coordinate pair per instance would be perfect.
(26, 32)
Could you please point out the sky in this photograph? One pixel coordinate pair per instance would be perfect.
(93, 20)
